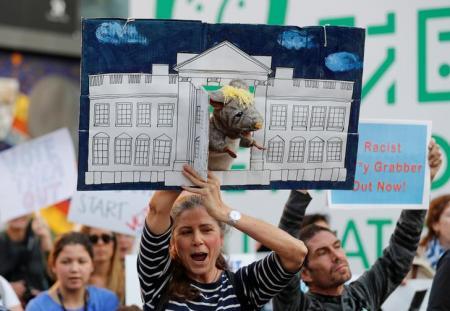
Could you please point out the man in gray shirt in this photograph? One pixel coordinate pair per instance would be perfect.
(326, 268)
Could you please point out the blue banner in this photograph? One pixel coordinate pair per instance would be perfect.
(391, 165)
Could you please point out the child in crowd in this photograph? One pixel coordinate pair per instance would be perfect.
(71, 263)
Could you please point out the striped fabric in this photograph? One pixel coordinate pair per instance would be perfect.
(258, 282)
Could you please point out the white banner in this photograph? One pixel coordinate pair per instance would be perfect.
(36, 174)
(118, 211)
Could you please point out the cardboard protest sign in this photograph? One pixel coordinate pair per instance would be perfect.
(36, 174)
(145, 90)
(392, 167)
(118, 211)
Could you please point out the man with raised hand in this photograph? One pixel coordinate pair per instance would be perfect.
(326, 268)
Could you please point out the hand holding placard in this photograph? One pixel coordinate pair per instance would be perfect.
(434, 158)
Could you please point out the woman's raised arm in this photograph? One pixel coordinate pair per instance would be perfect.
(158, 217)
(290, 250)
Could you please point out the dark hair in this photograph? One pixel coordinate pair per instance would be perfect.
(437, 207)
(313, 218)
(310, 231)
(180, 287)
(70, 238)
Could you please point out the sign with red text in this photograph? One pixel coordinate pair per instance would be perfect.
(118, 211)
(36, 174)
(391, 167)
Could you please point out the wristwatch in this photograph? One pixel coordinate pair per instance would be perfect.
(233, 217)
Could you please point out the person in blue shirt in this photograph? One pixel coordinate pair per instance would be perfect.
(71, 263)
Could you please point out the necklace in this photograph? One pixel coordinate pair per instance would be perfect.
(61, 299)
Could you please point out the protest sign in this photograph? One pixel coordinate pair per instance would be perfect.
(404, 297)
(36, 174)
(132, 289)
(118, 211)
(391, 167)
(143, 118)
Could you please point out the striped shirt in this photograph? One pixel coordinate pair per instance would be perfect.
(257, 282)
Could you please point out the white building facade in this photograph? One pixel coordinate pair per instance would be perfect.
(144, 127)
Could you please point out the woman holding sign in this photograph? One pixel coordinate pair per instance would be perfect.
(180, 262)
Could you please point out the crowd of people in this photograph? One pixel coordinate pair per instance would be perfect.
(77, 268)
(181, 265)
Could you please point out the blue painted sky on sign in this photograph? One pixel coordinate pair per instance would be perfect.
(116, 33)
(343, 61)
(112, 46)
(296, 39)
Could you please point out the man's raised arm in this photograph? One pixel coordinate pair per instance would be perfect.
(291, 219)
(391, 268)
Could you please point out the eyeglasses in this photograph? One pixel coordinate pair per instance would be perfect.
(106, 238)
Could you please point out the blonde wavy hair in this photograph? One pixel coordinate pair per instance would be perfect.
(116, 276)
(244, 97)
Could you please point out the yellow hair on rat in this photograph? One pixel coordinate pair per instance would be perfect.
(230, 92)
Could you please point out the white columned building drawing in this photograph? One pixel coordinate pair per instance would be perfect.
(144, 127)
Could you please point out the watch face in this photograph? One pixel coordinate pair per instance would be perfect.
(235, 216)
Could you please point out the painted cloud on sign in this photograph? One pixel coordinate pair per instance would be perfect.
(116, 33)
(343, 61)
(295, 39)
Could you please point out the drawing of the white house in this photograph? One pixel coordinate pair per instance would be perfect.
(144, 127)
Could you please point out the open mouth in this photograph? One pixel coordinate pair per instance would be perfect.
(199, 256)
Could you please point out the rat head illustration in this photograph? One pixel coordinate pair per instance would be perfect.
(235, 117)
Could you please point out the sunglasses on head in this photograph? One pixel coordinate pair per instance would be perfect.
(106, 238)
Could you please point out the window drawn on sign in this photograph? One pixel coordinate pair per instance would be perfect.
(334, 149)
(316, 150)
(100, 149)
(275, 150)
(123, 114)
(165, 115)
(278, 117)
(162, 148)
(144, 114)
(122, 149)
(336, 119)
(318, 116)
(197, 147)
(300, 117)
(297, 149)
(142, 150)
(198, 114)
(101, 114)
